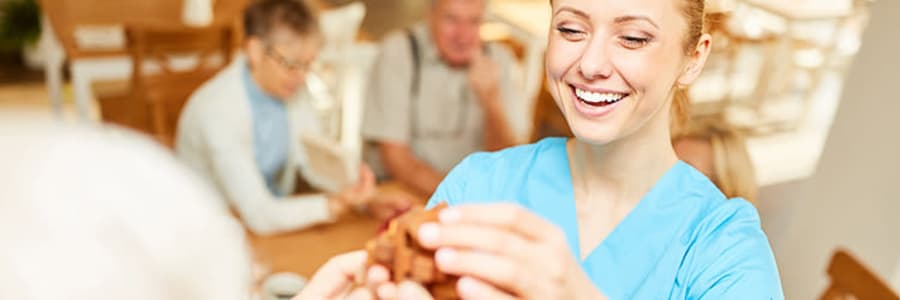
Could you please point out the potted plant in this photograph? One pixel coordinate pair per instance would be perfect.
(20, 29)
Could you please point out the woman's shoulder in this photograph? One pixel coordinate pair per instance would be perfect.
(220, 100)
(696, 191)
(729, 217)
(729, 254)
(486, 175)
(716, 218)
(514, 158)
(726, 237)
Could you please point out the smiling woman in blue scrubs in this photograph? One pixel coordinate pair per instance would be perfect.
(611, 213)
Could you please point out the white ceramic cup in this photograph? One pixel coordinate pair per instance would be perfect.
(282, 286)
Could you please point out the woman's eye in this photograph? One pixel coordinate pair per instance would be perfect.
(570, 33)
(634, 42)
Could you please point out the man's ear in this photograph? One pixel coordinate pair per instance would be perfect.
(696, 61)
(255, 50)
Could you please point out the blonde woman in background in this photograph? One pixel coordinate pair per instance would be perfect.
(717, 149)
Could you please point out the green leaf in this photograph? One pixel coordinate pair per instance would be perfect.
(20, 24)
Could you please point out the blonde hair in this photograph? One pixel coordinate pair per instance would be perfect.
(693, 11)
(92, 214)
(733, 170)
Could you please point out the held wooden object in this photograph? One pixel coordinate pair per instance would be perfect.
(397, 250)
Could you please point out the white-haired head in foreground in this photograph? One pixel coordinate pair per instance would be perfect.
(105, 214)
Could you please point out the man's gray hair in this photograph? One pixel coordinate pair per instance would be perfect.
(433, 3)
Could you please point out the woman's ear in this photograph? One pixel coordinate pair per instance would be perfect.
(696, 61)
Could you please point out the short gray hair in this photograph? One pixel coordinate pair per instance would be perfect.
(263, 17)
(106, 214)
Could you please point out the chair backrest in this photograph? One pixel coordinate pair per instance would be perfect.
(850, 279)
(170, 62)
(177, 50)
(66, 16)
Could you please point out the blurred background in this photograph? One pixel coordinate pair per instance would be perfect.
(809, 83)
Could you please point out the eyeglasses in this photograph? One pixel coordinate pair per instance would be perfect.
(286, 63)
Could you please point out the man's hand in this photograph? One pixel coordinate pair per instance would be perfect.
(387, 206)
(484, 79)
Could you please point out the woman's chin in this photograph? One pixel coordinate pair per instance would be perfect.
(594, 134)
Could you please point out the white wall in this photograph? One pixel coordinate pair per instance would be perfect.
(853, 200)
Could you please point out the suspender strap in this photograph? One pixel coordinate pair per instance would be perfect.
(414, 87)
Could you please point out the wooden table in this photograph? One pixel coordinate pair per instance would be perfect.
(304, 251)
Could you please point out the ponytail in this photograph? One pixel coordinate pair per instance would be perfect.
(680, 111)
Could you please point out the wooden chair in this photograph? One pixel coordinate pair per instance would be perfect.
(96, 65)
(166, 91)
(850, 279)
(67, 16)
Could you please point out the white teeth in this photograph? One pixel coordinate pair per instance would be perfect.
(592, 97)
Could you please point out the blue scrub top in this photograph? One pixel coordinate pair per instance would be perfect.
(683, 240)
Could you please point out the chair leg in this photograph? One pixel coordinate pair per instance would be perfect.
(159, 123)
(833, 293)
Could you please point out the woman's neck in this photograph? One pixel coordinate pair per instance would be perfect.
(624, 170)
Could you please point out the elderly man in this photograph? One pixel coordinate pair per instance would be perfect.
(242, 129)
(438, 93)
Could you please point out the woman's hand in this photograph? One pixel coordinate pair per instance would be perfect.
(502, 251)
(360, 193)
(407, 290)
(364, 189)
(337, 277)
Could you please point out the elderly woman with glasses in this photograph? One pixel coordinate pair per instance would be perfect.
(242, 129)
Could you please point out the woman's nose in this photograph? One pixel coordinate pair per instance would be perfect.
(595, 62)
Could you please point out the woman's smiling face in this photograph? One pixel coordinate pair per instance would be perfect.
(613, 65)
